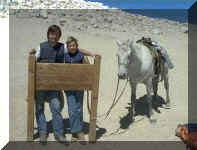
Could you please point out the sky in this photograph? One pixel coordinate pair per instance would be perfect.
(148, 4)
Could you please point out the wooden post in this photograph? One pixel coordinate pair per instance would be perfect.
(94, 101)
(86, 60)
(31, 97)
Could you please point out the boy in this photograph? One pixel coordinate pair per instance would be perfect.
(75, 98)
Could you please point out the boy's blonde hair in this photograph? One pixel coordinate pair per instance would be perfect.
(71, 39)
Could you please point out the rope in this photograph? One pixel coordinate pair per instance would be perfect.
(118, 132)
(88, 102)
(113, 100)
(116, 101)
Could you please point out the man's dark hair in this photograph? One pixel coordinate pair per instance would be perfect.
(54, 28)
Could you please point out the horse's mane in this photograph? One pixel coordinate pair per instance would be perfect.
(136, 46)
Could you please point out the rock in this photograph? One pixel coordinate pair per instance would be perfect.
(12, 12)
(96, 26)
(184, 29)
(51, 4)
(23, 14)
(44, 13)
(62, 21)
(93, 21)
(78, 27)
(108, 20)
(3, 15)
(157, 31)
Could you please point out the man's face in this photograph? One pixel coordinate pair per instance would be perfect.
(53, 37)
(72, 47)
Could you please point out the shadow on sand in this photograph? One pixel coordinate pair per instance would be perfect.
(99, 132)
(141, 108)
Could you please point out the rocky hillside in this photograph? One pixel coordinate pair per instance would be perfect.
(47, 4)
(83, 15)
(108, 20)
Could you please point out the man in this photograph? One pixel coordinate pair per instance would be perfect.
(51, 51)
(188, 134)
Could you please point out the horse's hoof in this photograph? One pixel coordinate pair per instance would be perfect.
(153, 121)
(167, 106)
(152, 118)
(151, 113)
(157, 110)
(133, 119)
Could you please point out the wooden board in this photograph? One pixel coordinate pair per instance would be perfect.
(64, 76)
(54, 76)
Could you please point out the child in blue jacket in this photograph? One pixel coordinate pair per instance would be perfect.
(75, 98)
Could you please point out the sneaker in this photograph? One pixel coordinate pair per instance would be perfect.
(81, 138)
(62, 139)
(74, 138)
(43, 139)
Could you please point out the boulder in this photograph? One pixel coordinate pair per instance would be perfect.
(157, 31)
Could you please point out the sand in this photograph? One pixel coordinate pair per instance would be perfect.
(28, 33)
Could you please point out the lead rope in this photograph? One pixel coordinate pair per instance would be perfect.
(88, 102)
(115, 101)
(118, 130)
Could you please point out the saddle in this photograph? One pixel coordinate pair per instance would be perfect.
(157, 56)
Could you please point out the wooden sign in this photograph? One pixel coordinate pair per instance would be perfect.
(59, 76)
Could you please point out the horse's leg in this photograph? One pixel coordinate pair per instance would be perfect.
(155, 86)
(166, 85)
(149, 90)
(133, 99)
(155, 89)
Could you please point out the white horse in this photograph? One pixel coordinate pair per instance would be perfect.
(136, 63)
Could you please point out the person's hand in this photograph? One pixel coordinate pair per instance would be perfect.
(32, 51)
(95, 54)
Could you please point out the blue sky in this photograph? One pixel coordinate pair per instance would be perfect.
(148, 4)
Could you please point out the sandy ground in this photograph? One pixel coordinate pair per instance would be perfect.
(27, 33)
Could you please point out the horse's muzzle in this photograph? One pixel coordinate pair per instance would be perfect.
(122, 76)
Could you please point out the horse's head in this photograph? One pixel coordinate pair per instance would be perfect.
(123, 54)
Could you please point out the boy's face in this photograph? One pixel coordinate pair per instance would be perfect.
(53, 37)
(72, 47)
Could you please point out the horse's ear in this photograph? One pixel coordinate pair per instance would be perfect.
(131, 42)
(128, 40)
(118, 42)
(129, 51)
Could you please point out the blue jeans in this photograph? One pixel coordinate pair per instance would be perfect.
(54, 103)
(75, 110)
